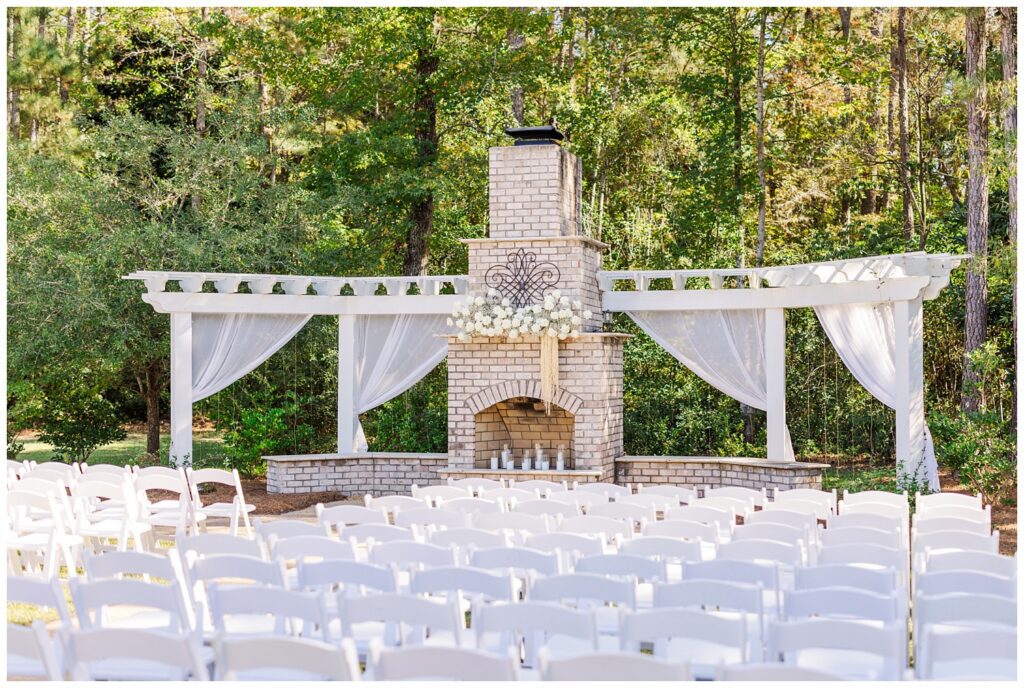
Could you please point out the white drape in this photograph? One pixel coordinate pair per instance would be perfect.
(392, 353)
(724, 348)
(227, 346)
(864, 336)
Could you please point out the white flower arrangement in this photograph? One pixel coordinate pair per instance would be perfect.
(490, 315)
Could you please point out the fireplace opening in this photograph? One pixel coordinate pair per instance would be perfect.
(521, 423)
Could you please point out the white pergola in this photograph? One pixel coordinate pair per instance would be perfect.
(905, 280)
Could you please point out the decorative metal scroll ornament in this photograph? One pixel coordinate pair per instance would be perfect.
(521, 279)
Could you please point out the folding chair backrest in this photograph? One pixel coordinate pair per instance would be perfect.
(966, 582)
(663, 548)
(711, 595)
(620, 564)
(819, 509)
(725, 518)
(586, 588)
(937, 524)
(873, 555)
(347, 515)
(286, 607)
(684, 494)
(284, 529)
(612, 666)
(579, 499)
(476, 484)
(306, 547)
(69, 473)
(237, 567)
(513, 523)
(507, 495)
(765, 575)
(411, 555)
(542, 486)
(404, 612)
(924, 503)
(198, 476)
(517, 559)
(93, 599)
(212, 544)
(684, 530)
(378, 532)
(546, 507)
(956, 539)
(994, 649)
(393, 504)
(163, 471)
(790, 638)
(772, 672)
(763, 550)
(441, 664)
(434, 493)
(53, 486)
(964, 610)
(995, 564)
(746, 494)
(771, 531)
(875, 496)
(862, 536)
(461, 579)
(426, 517)
(781, 515)
(607, 528)
(179, 655)
(241, 658)
(353, 576)
(652, 625)
(622, 511)
(867, 520)
(470, 505)
(116, 564)
(740, 507)
(878, 581)
(841, 603)
(607, 489)
(967, 513)
(467, 539)
(828, 498)
(536, 624)
(657, 502)
(31, 653)
(880, 508)
(39, 593)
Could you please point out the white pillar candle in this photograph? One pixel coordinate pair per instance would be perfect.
(526, 463)
(494, 463)
(560, 461)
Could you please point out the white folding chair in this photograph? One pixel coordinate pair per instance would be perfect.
(432, 494)
(204, 572)
(969, 654)
(530, 625)
(924, 503)
(215, 544)
(818, 508)
(119, 525)
(684, 494)
(588, 591)
(134, 604)
(609, 530)
(612, 666)
(772, 531)
(740, 507)
(506, 496)
(960, 610)
(440, 664)
(465, 540)
(426, 519)
(568, 546)
(581, 500)
(891, 539)
(348, 515)
(464, 585)
(876, 496)
(634, 514)
(965, 582)
(758, 497)
(609, 490)
(285, 529)
(546, 507)
(995, 564)
(899, 512)
(790, 555)
(660, 503)
(333, 577)
(923, 524)
(517, 526)
(474, 485)
(688, 636)
(881, 581)
(725, 519)
(363, 534)
(406, 556)
(470, 506)
(804, 494)
(782, 515)
(873, 556)
(726, 599)
(177, 514)
(281, 658)
(771, 672)
(152, 568)
(31, 653)
(955, 539)
(685, 530)
(235, 510)
(519, 560)
(392, 504)
(847, 648)
(132, 654)
(40, 548)
(542, 486)
(669, 550)
(49, 470)
(752, 573)
(841, 603)
(399, 620)
(267, 610)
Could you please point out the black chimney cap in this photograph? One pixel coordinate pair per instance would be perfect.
(533, 136)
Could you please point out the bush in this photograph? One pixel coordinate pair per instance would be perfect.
(76, 419)
(263, 430)
(24, 411)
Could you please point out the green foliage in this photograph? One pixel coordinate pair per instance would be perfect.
(263, 430)
(25, 403)
(76, 419)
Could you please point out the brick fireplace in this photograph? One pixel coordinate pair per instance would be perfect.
(494, 383)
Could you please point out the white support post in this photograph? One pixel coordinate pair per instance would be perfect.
(346, 383)
(909, 334)
(181, 389)
(775, 372)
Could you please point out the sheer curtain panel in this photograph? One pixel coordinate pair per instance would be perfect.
(227, 346)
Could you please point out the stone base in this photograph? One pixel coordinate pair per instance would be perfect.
(357, 474)
(716, 471)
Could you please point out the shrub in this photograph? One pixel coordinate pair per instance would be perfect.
(24, 410)
(263, 430)
(76, 419)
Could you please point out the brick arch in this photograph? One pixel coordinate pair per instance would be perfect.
(489, 396)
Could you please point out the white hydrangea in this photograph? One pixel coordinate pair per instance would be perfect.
(492, 315)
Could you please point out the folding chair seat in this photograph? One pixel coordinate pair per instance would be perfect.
(528, 626)
(546, 507)
(236, 510)
(39, 549)
(969, 654)
(589, 591)
(701, 640)
(440, 664)
(850, 649)
(134, 655)
(282, 658)
(728, 600)
(684, 494)
(267, 610)
(612, 666)
(31, 653)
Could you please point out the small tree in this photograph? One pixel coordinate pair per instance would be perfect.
(76, 419)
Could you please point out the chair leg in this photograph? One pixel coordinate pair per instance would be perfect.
(245, 519)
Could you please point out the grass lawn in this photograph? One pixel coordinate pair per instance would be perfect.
(207, 449)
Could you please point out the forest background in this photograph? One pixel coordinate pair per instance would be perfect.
(353, 141)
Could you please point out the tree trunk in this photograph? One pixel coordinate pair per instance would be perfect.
(33, 133)
(13, 113)
(904, 116)
(265, 129)
(737, 129)
(515, 42)
(201, 68)
(976, 320)
(154, 373)
(1008, 47)
(869, 201)
(417, 253)
(69, 40)
(762, 196)
(890, 118)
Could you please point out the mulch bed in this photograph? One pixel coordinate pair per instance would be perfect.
(266, 503)
(1004, 518)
